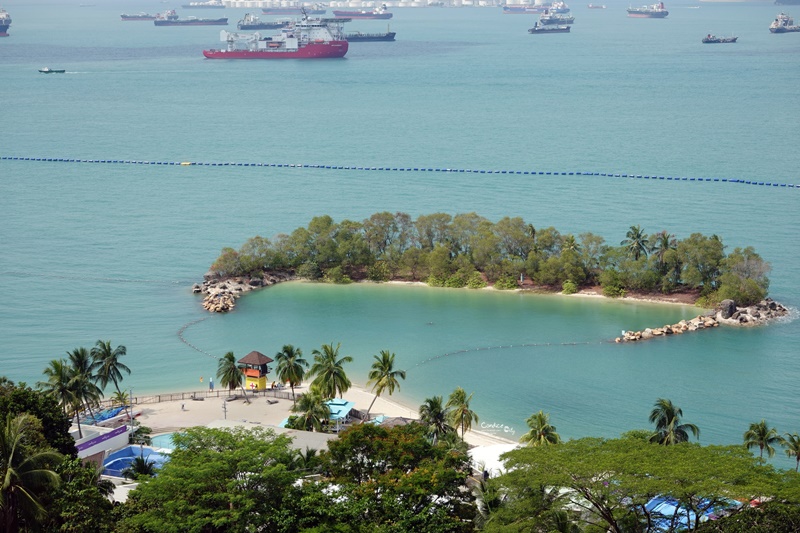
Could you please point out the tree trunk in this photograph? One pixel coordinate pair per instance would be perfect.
(370, 405)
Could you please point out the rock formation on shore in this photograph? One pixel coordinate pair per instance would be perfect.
(726, 313)
(221, 293)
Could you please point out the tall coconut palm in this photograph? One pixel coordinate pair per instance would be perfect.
(762, 436)
(84, 388)
(61, 386)
(139, 468)
(107, 366)
(328, 371)
(792, 445)
(230, 375)
(542, 433)
(435, 416)
(460, 413)
(383, 376)
(663, 243)
(24, 473)
(636, 243)
(312, 410)
(58, 374)
(669, 430)
(291, 367)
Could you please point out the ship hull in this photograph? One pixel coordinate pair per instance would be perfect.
(333, 49)
(360, 15)
(369, 37)
(787, 2)
(549, 29)
(198, 22)
(4, 30)
(262, 26)
(656, 15)
(129, 18)
(785, 29)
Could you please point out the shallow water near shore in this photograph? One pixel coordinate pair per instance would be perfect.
(92, 251)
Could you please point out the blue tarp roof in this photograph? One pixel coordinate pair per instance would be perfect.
(339, 408)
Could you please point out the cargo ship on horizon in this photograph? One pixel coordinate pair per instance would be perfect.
(166, 15)
(191, 21)
(380, 13)
(5, 22)
(307, 39)
(535, 9)
(316, 9)
(655, 11)
(251, 22)
(211, 4)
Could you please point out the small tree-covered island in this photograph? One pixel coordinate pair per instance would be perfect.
(468, 250)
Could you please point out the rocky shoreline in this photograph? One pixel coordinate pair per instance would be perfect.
(727, 312)
(221, 293)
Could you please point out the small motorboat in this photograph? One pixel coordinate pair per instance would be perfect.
(48, 70)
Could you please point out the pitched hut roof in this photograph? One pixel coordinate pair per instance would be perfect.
(255, 358)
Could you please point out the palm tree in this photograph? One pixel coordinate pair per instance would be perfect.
(312, 409)
(24, 473)
(383, 376)
(120, 398)
(108, 367)
(570, 244)
(542, 433)
(139, 468)
(760, 435)
(291, 366)
(230, 375)
(61, 386)
(460, 413)
(328, 370)
(86, 392)
(664, 242)
(636, 242)
(669, 430)
(434, 415)
(792, 445)
(57, 385)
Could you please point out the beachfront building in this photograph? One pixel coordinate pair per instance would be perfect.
(255, 367)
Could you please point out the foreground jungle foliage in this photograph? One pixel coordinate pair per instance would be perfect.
(410, 478)
(467, 250)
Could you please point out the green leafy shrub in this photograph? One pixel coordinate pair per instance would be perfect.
(309, 270)
(569, 287)
(476, 281)
(506, 283)
(436, 281)
(379, 272)
(337, 275)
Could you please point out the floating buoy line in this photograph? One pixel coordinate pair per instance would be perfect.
(398, 169)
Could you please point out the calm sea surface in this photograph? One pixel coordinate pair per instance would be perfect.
(91, 251)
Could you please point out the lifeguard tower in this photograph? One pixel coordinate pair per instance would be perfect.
(255, 369)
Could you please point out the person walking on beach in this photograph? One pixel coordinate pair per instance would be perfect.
(211, 384)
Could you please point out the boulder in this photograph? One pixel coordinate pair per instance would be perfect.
(727, 308)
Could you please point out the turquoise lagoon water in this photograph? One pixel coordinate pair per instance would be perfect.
(92, 251)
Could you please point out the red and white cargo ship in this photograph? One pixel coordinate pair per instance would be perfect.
(305, 39)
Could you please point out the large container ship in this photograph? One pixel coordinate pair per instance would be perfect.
(377, 13)
(5, 22)
(167, 15)
(306, 39)
(655, 11)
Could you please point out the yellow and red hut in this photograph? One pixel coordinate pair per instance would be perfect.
(255, 367)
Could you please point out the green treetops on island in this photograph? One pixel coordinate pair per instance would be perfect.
(467, 250)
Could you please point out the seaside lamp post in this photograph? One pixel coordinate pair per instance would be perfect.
(224, 410)
(130, 400)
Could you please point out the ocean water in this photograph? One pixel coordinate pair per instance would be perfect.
(110, 251)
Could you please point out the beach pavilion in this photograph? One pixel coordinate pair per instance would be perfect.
(255, 367)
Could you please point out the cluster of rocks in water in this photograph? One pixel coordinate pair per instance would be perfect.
(725, 313)
(221, 293)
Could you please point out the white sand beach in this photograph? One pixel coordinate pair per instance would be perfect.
(171, 415)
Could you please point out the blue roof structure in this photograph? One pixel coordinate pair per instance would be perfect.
(339, 408)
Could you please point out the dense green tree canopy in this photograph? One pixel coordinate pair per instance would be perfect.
(447, 250)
